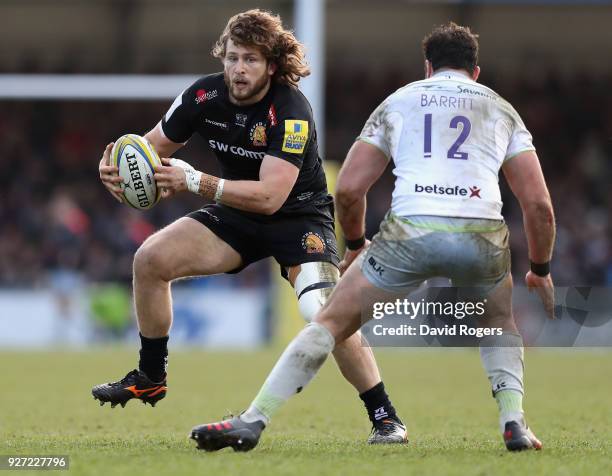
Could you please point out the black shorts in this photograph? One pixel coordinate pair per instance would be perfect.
(303, 236)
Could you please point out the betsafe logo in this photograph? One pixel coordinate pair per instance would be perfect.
(456, 191)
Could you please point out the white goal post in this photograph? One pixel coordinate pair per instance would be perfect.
(92, 87)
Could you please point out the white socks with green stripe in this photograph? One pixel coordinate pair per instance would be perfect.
(510, 404)
(298, 364)
(502, 358)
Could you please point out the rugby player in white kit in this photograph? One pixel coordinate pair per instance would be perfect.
(448, 137)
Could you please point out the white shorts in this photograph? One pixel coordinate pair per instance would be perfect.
(409, 250)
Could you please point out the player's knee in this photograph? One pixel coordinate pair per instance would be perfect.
(339, 329)
(150, 262)
(310, 304)
(313, 286)
(498, 308)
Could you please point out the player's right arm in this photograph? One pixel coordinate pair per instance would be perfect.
(162, 145)
(524, 175)
(178, 119)
(363, 166)
(110, 174)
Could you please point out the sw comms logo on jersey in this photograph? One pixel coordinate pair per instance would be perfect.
(313, 243)
(222, 147)
(455, 191)
(296, 136)
(222, 125)
(202, 95)
(258, 135)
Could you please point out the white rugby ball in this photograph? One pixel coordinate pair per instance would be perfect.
(135, 157)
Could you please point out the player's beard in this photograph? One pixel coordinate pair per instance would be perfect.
(247, 93)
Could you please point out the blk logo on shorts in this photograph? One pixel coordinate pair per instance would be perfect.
(378, 268)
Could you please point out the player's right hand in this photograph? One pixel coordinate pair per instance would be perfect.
(349, 257)
(110, 174)
(545, 288)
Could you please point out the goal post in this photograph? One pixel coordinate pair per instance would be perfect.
(88, 87)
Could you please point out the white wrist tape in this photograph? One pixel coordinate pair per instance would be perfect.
(192, 176)
(219, 191)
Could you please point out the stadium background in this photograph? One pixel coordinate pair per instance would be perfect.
(66, 246)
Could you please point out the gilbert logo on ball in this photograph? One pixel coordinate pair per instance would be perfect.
(136, 158)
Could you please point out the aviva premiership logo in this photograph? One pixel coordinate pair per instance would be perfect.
(296, 136)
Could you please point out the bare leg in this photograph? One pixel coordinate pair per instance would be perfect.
(356, 361)
(502, 359)
(354, 357)
(499, 307)
(341, 314)
(184, 248)
(339, 319)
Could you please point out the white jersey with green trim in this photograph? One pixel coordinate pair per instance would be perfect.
(448, 136)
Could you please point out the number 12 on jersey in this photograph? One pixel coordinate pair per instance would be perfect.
(453, 152)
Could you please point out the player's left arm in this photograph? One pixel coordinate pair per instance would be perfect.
(265, 196)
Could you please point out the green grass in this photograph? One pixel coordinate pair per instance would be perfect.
(46, 408)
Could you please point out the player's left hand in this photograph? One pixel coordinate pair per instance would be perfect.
(171, 179)
(349, 257)
(545, 288)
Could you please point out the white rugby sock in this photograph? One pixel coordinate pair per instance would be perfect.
(298, 364)
(252, 414)
(502, 358)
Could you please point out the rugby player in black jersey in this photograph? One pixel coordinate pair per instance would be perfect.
(271, 200)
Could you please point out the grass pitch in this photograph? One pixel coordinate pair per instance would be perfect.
(46, 408)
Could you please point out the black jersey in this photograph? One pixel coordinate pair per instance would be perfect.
(280, 125)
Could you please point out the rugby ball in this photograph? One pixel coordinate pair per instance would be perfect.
(135, 157)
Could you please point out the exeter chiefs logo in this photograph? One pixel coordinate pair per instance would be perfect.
(313, 243)
(258, 135)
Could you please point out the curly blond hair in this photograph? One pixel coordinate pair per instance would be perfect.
(265, 31)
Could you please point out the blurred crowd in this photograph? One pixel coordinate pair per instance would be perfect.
(58, 224)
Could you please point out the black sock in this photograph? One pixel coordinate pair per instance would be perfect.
(154, 357)
(378, 405)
